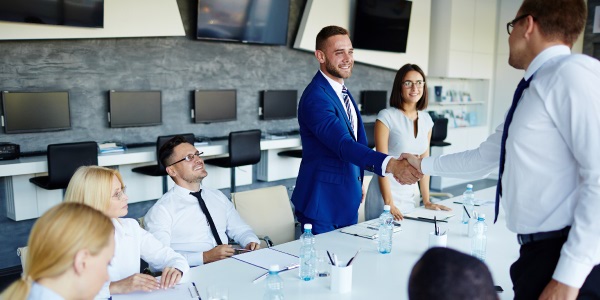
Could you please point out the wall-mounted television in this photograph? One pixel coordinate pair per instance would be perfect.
(24, 112)
(81, 13)
(248, 21)
(214, 106)
(134, 108)
(372, 102)
(377, 20)
(278, 104)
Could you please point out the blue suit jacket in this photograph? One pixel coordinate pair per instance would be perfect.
(329, 183)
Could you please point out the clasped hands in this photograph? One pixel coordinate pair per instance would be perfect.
(406, 168)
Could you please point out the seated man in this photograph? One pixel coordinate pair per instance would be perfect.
(447, 274)
(180, 221)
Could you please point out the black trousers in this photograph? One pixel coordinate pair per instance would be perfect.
(533, 271)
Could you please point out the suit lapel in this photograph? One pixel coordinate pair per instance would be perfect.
(328, 90)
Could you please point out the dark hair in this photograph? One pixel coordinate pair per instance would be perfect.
(328, 32)
(166, 150)
(443, 273)
(396, 97)
(563, 20)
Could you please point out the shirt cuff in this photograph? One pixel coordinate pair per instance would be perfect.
(571, 272)
(384, 165)
(194, 259)
(427, 165)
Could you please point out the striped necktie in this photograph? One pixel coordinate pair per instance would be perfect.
(346, 98)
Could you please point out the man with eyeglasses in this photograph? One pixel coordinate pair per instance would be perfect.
(192, 219)
(549, 183)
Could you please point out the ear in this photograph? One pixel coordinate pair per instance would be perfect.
(530, 26)
(80, 261)
(320, 55)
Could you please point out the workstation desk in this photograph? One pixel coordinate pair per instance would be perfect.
(375, 275)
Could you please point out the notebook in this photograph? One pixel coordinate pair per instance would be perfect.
(369, 229)
(440, 215)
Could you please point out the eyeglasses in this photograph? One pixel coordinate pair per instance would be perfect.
(188, 158)
(409, 84)
(510, 25)
(120, 194)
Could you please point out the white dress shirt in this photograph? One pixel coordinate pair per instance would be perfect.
(40, 292)
(177, 220)
(132, 243)
(552, 172)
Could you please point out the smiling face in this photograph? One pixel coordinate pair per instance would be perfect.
(336, 59)
(118, 200)
(412, 95)
(187, 174)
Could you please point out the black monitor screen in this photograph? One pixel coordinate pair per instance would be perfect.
(214, 106)
(81, 13)
(378, 20)
(372, 102)
(134, 108)
(35, 111)
(251, 21)
(278, 104)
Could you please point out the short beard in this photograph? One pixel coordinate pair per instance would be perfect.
(331, 69)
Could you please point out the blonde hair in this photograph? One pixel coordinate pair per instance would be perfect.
(92, 185)
(55, 239)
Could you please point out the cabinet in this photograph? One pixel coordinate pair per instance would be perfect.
(462, 38)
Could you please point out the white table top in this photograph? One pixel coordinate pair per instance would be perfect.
(375, 276)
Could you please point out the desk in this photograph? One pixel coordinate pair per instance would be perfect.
(376, 276)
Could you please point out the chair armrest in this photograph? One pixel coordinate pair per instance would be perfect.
(267, 240)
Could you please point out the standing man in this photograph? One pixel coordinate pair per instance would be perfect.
(194, 220)
(329, 187)
(548, 147)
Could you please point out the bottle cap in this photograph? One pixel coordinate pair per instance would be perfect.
(274, 268)
(386, 208)
(308, 226)
(469, 186)
(481, 217)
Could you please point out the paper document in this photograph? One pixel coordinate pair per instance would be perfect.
(264, 258)
(429, 214)
(186, 290)
(369, 229)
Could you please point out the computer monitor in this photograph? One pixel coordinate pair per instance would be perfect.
(24, 112)
(214, 106)
(134, 108)
(372, 102)
(278, 104)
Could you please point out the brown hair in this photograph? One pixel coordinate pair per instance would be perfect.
(396, 97)
(328, 32)
(560, 20)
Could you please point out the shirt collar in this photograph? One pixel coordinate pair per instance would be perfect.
(183, 191)
(543, 57)
(337, 87)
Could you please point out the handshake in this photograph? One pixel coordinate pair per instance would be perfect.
(406, 168)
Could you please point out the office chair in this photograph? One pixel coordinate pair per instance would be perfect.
(159, 169)
(63, 161)
(370, 131)
(439, 132)
(22, 253)
(244, 149)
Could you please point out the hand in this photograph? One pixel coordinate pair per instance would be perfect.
(170, 277)
(557, 290)
(414, 160)
(217, 253)
(134, 283)
(403, 172)
(432, 206)
(253, 246)
(396, 213)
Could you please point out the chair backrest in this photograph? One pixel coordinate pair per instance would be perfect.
(161, 140)
(244, 147)
(440, 130)
(64, 159)
(361, 209)
(370, 131)
(268, 211)
(22, 253)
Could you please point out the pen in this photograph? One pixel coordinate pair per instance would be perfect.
(353, 257)
(468, 215)
(335, 260)
(330, 259)
(374, 228)
(435, 228)
(263, 276)
(456, 202)
(423, 219)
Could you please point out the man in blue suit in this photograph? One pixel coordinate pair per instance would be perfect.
(329, 187)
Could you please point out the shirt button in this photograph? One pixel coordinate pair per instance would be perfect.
(358, 178)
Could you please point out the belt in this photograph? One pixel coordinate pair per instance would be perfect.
(540, 236)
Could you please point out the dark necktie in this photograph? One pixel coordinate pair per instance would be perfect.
(518, 93)
(346, 98)
(213, 229)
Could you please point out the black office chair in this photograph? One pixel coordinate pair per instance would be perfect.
(63, 161)
(159, 169)
(244, 149)
(439, 133)
(297, 153)
(370, 131)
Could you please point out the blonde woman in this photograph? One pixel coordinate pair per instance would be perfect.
(70, 248)
(103, 189)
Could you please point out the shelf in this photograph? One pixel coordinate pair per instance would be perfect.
(455, 103)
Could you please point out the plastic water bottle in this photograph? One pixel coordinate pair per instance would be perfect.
(308, 266)
(469, 203)
(386, 229)
(479, 239)
(274, 284)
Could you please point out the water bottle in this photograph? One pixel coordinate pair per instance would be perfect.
(469, 203)
(479, 239)
(386, 229)
(274, 284)
(308, 266)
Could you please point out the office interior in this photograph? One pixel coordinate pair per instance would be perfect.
(150, 51)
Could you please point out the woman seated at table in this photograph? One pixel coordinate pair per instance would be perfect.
(103, 189)
(69, 249)
(402, 128)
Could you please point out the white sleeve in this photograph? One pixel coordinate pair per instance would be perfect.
(237, 229)
(384, 117)
(104, 292)
(159, 256)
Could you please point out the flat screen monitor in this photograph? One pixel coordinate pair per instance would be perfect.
(214, 106)
(134, 108)
(281, 104)
(372, 102)
(81, 13)
(35, 111)
(376, 21)
(248, 21)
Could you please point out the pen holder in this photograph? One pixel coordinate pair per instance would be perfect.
(437, 240)
(341, 278)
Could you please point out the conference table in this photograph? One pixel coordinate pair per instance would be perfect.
(375, 275)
